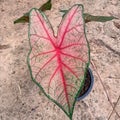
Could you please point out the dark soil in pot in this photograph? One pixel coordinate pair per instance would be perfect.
(87, 85)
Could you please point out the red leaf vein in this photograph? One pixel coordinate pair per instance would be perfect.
(75, 27)
(52, 77)
(70, 70)
(62, 38)
(45, 30)
(40, 36)
(73, 56)
(43, 53)
(71, 45)
(45, 64)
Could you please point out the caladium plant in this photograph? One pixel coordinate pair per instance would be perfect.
(58, 64)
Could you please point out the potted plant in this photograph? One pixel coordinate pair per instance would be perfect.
(59, 65)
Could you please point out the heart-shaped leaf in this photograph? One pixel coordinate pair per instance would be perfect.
(25, 17)
(58, 63)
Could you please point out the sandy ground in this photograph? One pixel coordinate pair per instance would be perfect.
(21, 99)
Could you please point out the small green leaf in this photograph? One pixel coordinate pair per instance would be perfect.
(90, 18)
(46, 6)
(25, 17)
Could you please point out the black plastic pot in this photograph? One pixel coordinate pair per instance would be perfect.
(89, 81)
